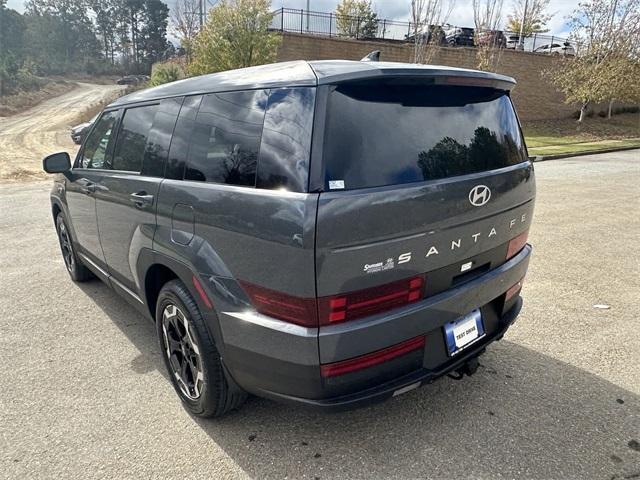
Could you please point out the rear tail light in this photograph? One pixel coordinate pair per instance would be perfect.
(372, 359)
(362, 303)
(339, 308)
(301, 311)
(514, 290)
(516, 244)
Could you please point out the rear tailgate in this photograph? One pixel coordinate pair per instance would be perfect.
(418, 177)
(374, 236)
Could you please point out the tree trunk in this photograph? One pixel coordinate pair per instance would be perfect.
(610, 108)
(583, 111)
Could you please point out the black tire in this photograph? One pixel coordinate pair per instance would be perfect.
(201, 384)
(75, 267)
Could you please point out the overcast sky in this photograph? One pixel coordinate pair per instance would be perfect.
(462, 13)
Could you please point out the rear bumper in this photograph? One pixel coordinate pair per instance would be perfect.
(282, 361)
(402, 384)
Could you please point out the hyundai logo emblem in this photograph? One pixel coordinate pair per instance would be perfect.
(479, 195)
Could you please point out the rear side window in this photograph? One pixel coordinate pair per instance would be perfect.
(225, 141)
(157, 147)
(387, 134)
(286, 139)
(132, 138)
(182, 137)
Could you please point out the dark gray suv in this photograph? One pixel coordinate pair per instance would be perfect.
(327, 233)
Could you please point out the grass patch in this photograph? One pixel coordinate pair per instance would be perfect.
(566, 135)
(584, 147)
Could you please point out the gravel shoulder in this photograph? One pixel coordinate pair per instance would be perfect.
(83, 393)
(27, 137)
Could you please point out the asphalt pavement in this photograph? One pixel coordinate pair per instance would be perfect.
(83, 393)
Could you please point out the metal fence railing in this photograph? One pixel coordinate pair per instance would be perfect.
(333, 25)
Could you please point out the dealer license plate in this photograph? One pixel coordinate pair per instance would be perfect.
(461, 333)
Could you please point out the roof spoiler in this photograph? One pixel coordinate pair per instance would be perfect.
(371, 57)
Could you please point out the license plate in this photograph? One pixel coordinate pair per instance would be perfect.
(461, 333)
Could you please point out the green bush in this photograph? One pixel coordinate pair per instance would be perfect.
(25, 78)
(166, 73)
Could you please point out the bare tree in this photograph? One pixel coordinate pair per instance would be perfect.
(185, 23)
(427, 18)
(487, 16)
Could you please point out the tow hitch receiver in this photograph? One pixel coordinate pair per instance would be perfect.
(468, 368)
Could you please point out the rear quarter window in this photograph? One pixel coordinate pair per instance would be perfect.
(380, 134)
(225, 141)
(286, 139)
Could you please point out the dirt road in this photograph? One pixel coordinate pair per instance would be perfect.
(27, 137)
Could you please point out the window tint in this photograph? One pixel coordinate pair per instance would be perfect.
(286, 139)
(226, 138)
(132, 138)
(182, 137)
(157, 148)
(94, 153)
(385, 134)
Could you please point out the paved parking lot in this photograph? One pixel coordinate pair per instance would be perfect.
(83, 392)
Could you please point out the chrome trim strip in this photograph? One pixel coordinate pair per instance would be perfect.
(120, 285)
(274, 324)
(106, 275)
(93, 264)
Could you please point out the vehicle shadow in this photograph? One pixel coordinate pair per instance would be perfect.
(524, 414)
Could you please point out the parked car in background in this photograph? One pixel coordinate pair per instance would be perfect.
(455, 36)
(491, 38)
(132, 79)
(513, 42)
(223, 208)
(80, 131)
(556, 49)
(434, 34)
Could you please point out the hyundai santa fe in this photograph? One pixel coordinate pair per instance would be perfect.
(328, 233)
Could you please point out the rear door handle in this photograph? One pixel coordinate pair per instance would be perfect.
(141, 199)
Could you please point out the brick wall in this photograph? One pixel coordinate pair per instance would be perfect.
(534, 96)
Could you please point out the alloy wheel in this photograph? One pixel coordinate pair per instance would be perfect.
(66, 246)
(182, 352)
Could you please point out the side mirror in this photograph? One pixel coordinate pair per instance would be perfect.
(57, 163)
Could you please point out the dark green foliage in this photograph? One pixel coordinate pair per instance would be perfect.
(12, 29)
(98, 37)
(153, 38)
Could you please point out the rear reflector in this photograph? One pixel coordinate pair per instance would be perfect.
(516, 244)
(371, 359)
(513, 291)
(301, 311)
(370, 301)
(203, 295)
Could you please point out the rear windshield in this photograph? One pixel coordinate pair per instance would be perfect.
(387, 134)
